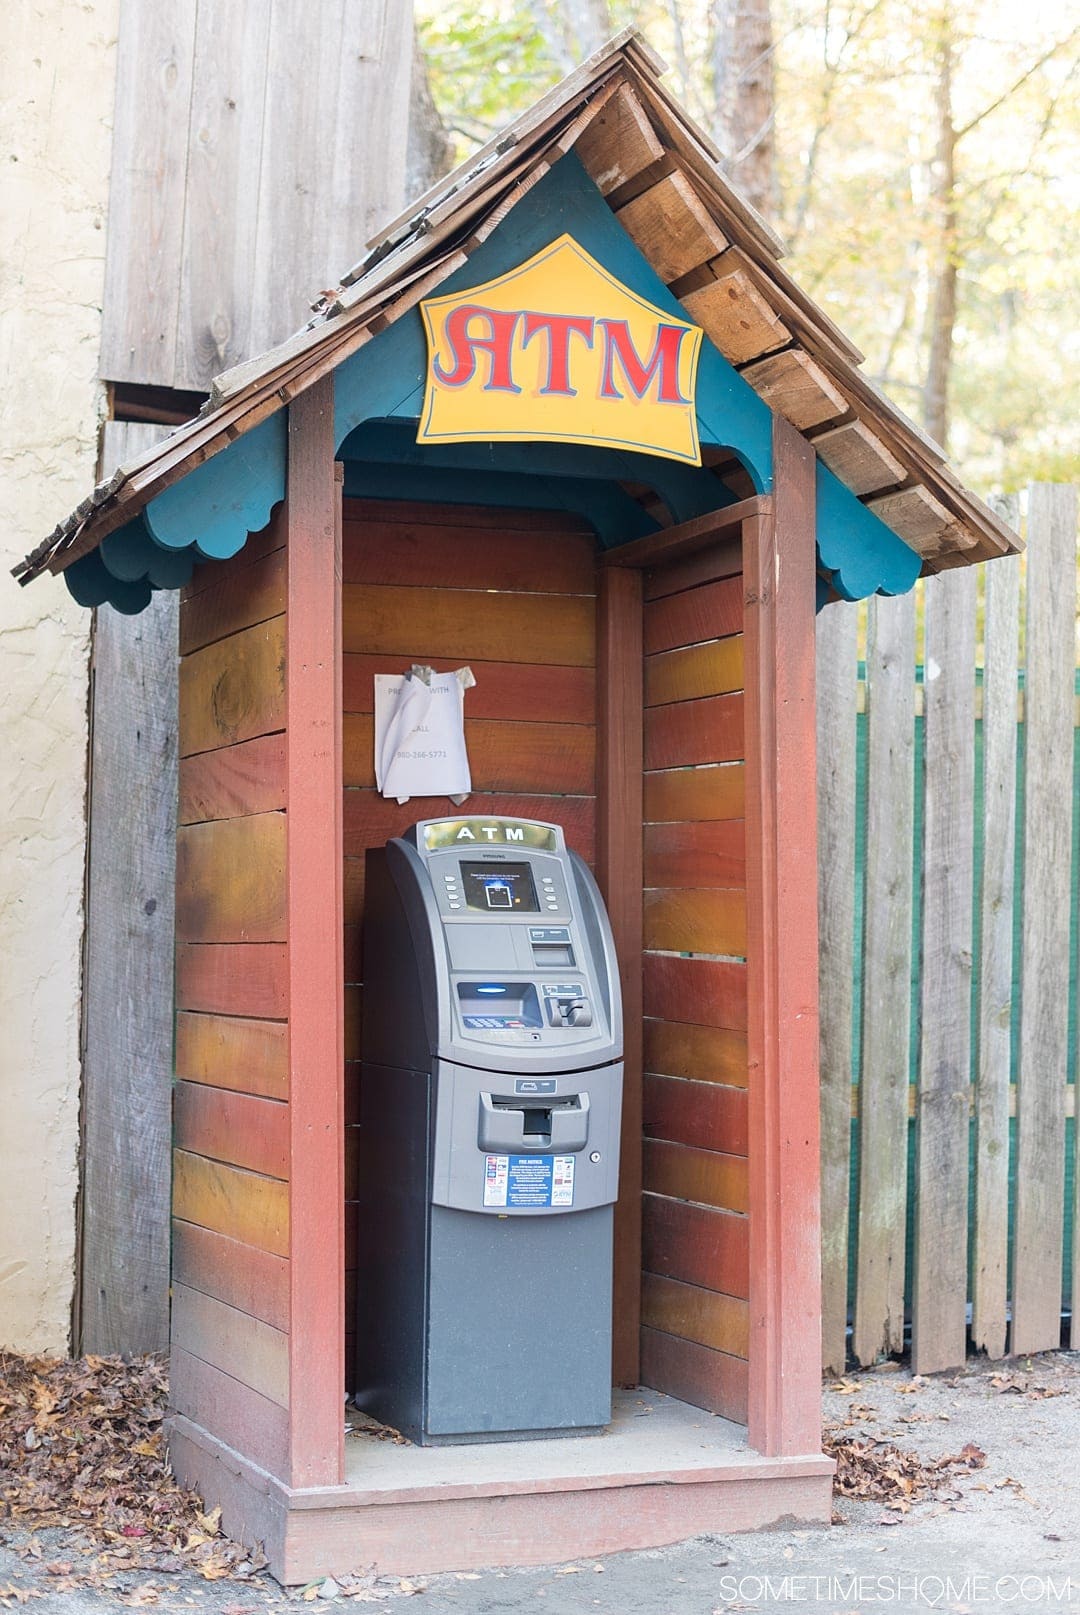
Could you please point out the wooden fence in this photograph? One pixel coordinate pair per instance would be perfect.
(947, 792)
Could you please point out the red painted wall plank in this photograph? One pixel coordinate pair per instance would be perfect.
(695, 920)
(233, 1127)
(230, 880)
(707, 1114)
(703, 1176)
(502, 756)
(693, 1373)
(238, 600)
(243, 1276)
(711, 791)
(465, 557)
(780, 561)
(233, 780)
(696, 855)
(233, 1341)
(503, 690)
(706, 731)
(506, 519)
(234, 689)
(242, 1205)
(316, 971)
(693, 1312)
(239, 1416)
(696, 1244)
(704, 1053)
(695, 671)
(418, 624)
(710, 612)
(705, 992)
(233, 978)
(227, 1051)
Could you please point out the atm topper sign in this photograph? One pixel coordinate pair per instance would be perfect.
(558, 351)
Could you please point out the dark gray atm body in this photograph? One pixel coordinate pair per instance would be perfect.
(489, 1135)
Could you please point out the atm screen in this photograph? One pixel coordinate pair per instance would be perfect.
(499, 888)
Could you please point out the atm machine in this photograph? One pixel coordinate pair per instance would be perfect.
(489, 1135)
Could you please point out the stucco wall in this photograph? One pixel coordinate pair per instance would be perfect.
(56, 95)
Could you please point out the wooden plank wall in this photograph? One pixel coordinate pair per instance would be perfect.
(513, 595)
(886, 1008)
(224, 159)
(230, 1367)
(1047, 837)
(837, 650)
(939, 1316)
(695, 1283)
(122, 1300)
(989, 1268)
(1001, 1099)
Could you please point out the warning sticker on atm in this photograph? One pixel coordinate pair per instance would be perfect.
(528, 1181)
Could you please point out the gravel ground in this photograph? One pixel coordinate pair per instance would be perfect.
(1002, 1536)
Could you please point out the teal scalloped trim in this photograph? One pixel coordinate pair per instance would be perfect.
(217, 505)
(861, 555)
(131, 554)
(90, 583)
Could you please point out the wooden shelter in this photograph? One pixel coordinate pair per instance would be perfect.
(641, 624)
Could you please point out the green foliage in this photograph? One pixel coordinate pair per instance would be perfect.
(486, 63)
(856, 137)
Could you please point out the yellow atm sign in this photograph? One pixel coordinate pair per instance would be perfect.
(559, 351)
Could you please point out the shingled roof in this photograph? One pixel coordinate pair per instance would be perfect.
(659, 173)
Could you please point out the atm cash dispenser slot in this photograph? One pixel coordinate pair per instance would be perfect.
(489, 1135)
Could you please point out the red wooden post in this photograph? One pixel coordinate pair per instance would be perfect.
(782, 957)
(315, 960)
(619, 875)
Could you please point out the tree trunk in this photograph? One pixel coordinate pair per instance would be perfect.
(429, 153)
(944, 264)
(741, 51)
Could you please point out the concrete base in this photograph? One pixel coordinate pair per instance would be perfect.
(662, 1472)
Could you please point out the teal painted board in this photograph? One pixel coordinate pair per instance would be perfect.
(861, 555)
(221, 501)
(131, 554)
(90, 583)
(613, 514)
(686, 492)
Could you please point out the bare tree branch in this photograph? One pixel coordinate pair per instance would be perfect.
(1029, 72)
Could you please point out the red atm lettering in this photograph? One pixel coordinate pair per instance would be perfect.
(559, 328)
(664, 359)
(495, 339)
(463, 346)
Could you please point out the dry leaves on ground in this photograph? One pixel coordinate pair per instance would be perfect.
(82, 1447)
(877, 1471)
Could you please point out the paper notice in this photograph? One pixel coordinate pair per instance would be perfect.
(420, 734)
